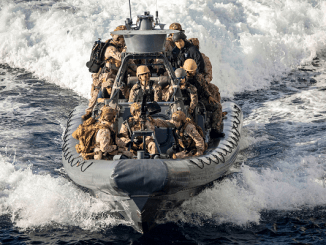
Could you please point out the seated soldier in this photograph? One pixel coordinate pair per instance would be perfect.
(205, 96)
(134, 123)
(109, 71)
(151, 88)
(107, 144)
(189, 137)
(169, 43)
(98, 139)
(85, 135)
(208, 74)
(185, 50)
(188, 91)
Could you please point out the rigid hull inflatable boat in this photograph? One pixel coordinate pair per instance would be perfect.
(142, 190)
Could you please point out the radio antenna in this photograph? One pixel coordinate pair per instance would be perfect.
(130, 10)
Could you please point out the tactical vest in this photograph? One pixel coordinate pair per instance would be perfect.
(113, 62)
(201, 92)
(150, 92)
(112, 134)
(183, 141)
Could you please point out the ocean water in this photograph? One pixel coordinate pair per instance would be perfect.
(268, 57)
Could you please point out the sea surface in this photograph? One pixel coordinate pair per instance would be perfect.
(269, 57)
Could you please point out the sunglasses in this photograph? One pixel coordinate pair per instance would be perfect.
(181, 77)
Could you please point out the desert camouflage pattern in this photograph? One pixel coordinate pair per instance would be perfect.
(188, 89)
(203, 96)
(104, 143)
(217, 117)
(188, 137)
(96, 86)
(208, 65)
(208, 75)
(84, 134)
(135, 125)
(137, 92)
(113, 57)
(214, 91)
(166, 93)
(105, 77)
(175, 26)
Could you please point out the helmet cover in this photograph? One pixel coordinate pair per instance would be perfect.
(190, 65)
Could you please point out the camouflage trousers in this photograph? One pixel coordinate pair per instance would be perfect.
(215, 111)
(150, 146)
(177, 152)
(109, 156)
(214, 91)
(92, 100)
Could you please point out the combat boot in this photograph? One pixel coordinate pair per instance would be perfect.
(215, 133)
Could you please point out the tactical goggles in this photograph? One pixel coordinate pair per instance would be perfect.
(181, 77)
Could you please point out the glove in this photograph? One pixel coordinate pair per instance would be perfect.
(211, 100)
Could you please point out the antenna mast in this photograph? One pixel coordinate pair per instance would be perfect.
(130, 10)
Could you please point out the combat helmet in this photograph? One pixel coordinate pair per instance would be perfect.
(135, 107)
(179, 116)
(142, 70)
(194, 41)
(180, 73)
(175, 26)
(190, 65)
(120, 28)
(108, 113)
(178, 36)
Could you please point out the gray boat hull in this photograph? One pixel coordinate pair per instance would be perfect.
(141, 191)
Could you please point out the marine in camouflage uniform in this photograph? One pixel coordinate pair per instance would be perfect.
(98, 139)
(151, 88)
(189, 141)
(104, 79)
(134, 124)
(208, 73)
(107, 144)
(188, 91)
(204, 95)
(169, 43)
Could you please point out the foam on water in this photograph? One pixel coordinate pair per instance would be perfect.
(250, 43)
(291, 184)
(289, 133)
(36, 200)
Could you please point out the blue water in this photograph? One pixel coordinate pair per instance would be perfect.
(264, 58)
(33, 138)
